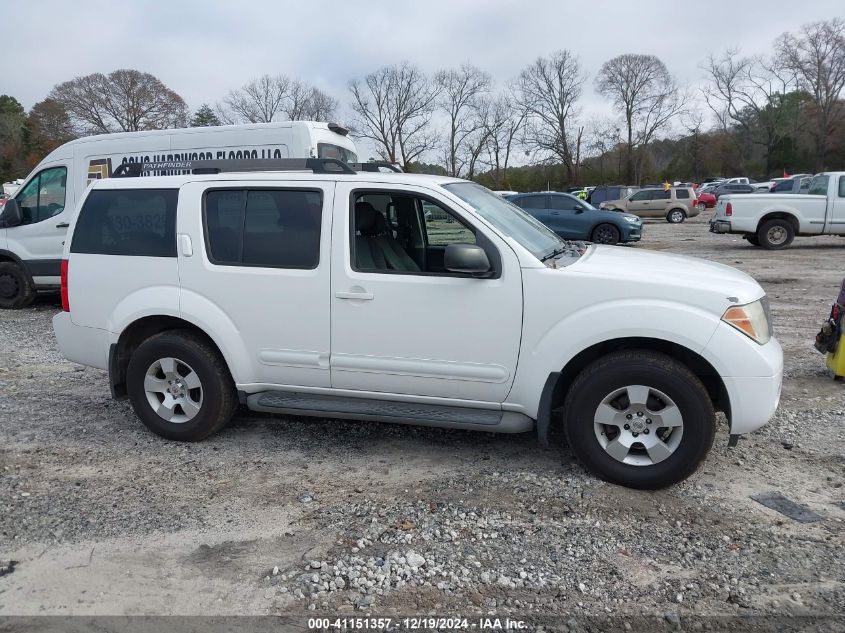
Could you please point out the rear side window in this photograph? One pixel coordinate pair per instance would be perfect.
(134, 222)
(271, 228)
(660, 194)
(682, 194)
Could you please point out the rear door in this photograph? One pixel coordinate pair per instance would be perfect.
(254, 266)
(536, 205)
(659, 203)
(567, 217)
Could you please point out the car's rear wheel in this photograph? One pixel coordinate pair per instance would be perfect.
(639, 419)
(180, 387)
(775, 234)
(605, 234)
(676, 216)
(16, 289)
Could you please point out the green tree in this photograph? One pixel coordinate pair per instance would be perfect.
(205, 117)
(12, 118)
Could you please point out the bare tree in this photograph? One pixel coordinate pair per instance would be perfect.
(817, 57)
(462, 93)
(308, 103)
(548, 91)
(502, 125)
(259, 101)
(394, 106)
(122, 101)
(751, 93)
(646, 95)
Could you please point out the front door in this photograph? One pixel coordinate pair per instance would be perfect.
(567, 218)
(836, 215)
(658, 205)
(402, 323)
(39, 241)
(640, 203)
(254, 266)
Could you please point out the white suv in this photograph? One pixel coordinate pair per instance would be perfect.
(313, 289)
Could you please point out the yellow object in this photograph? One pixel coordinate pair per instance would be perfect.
(666, 186)
(836, 361)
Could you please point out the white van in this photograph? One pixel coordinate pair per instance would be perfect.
(31, 252)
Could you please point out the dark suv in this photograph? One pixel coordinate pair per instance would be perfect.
(576, 219)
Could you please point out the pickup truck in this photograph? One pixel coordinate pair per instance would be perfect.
(772, 220)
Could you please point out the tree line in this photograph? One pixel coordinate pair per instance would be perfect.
(766, 114)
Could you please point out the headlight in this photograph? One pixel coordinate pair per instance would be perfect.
(631, 218)
(752, 319)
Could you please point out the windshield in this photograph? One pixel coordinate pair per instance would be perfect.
(508, 218)
(327, 150)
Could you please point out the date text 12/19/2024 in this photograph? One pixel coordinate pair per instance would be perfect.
(416, 624)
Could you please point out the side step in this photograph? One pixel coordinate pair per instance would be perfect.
(389, 411)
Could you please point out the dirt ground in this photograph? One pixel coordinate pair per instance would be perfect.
(278, 515)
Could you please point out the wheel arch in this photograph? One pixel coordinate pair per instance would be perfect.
(136, 333)
(780, 215)
(558, 384)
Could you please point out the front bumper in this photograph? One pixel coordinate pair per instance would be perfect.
(752, 375)
(633, 233)
(720, 226)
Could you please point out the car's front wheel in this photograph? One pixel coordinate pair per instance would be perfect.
(16, 290)
(180, 387)
(605, 234)
(639, 419)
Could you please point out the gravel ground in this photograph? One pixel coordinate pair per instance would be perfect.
(279, 515)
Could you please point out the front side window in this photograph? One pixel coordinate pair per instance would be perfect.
(132, 222)
(641, 195)
(397, 232)
(43, 196)
(842, 186)
(564, 203)
(271, 228)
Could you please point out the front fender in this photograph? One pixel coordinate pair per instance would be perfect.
(560, 342)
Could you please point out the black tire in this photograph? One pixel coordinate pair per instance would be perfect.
(775, 234)
(16, 289)
(218, 400)
(676, 216)
(752, 239)
(605, 234)
(658, 372)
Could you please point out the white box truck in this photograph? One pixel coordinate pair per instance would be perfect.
(31, 250)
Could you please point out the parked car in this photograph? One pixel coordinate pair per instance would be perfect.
(575, 219)
(326, 294)
(706, 200)
(603, 193)
(773, 220)
(794, 184)
(733, 189)
(48, 195)
(676, 204)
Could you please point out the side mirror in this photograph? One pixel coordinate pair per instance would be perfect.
(466, 258)
(579, 209)
(11, 215)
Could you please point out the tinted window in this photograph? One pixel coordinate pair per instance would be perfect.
(43, 196)
(818, 186)
(531, 202)
(562, 203)
(842, 186)
(140, 222)
(641, 195)
(659, 194)
(783, 185)
(273, 228)
(682, 194)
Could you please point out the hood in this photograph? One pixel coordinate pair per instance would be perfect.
(691, 280)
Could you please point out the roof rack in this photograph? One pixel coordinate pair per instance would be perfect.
(174, 167)
(376, 165)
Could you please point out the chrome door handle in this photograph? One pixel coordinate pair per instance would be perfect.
(361, 296)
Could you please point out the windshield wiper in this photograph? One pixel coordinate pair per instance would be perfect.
(555, 252)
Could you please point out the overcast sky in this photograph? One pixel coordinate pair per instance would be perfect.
(202, 49)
